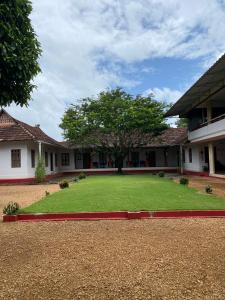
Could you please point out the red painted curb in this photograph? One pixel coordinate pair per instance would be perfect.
(116, 215)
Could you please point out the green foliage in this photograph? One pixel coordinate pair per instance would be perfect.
(182, 123)
(126, 193)
(161, 174)
(75, 179)
(47, 193)
(114, 121)
(184, 181)
(64, 184)
(11, 208)
(82, 175)
(19, 52)
(40, 171)
(208, 189)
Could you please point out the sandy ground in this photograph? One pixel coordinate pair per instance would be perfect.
(136, 259)
(24, 194)
(199, 183)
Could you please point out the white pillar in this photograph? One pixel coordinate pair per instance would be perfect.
(211, 159)
(39, 150)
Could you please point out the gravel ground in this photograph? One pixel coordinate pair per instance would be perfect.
(136, 259)
(24, 194)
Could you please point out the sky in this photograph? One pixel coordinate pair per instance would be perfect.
(144, 46)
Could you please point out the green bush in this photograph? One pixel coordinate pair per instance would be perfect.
(184, 181)
(82, 175)
(64, 184)
(75, 179)
(47, 193)
(208, 189)
(161, 174)
(40, 171)
(11, 208)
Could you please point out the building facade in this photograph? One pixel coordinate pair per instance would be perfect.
(21, 145)
(204, 107)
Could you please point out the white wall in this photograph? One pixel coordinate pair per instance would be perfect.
(197, 158)
(6, 171)
(25, 171)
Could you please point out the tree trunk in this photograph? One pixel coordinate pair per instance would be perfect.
(120, 165)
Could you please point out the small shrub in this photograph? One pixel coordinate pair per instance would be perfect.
(40, 171)
(11, 208)
(47, 193)
(208, 189)
(75, 179)
(64, 184)
(184, 181)
(82, 176)
(161, 174)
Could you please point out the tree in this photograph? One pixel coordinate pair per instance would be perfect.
(114, 122)
(19, 52)
(182, 123)
(40, 174)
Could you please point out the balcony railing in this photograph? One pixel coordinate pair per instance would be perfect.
(215, 128)
(216, 119)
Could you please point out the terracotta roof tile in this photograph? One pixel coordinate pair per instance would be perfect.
(15, 130)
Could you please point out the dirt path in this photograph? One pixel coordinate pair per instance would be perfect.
(200, 183)
(147, 259)
(24, 194)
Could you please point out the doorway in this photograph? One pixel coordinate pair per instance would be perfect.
(86, 160)
(51, 162)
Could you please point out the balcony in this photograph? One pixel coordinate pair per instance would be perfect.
(212, 130)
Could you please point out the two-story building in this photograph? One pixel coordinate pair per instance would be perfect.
(204, 107)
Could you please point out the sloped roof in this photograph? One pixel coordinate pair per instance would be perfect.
(207, 85)
(169, 137)
(12, 129)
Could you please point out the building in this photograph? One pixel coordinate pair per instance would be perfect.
(204, 107)
(22, 144)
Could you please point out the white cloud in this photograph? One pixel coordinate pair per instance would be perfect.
(77, 35)
(165, 94)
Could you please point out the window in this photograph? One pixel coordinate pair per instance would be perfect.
(32, 158)
(16, 158)
(56, 160)
(190, 155)
(65, 159)
(183, 155)
(46, 159)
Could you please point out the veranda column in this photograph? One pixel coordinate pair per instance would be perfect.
(211, 159)
(39, 150)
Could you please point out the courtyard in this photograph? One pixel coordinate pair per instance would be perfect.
(147, 259)
(135, 259)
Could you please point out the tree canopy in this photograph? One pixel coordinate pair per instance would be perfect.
(114, 121)
(19, 52)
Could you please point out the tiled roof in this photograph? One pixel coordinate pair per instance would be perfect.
(15, 130)
(169, 137)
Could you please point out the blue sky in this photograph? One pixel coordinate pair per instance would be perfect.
(144, 46)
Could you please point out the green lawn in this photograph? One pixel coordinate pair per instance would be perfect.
(128, 192)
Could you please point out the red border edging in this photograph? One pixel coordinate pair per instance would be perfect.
(116, 215)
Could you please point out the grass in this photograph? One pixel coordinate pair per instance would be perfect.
(128, 192)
